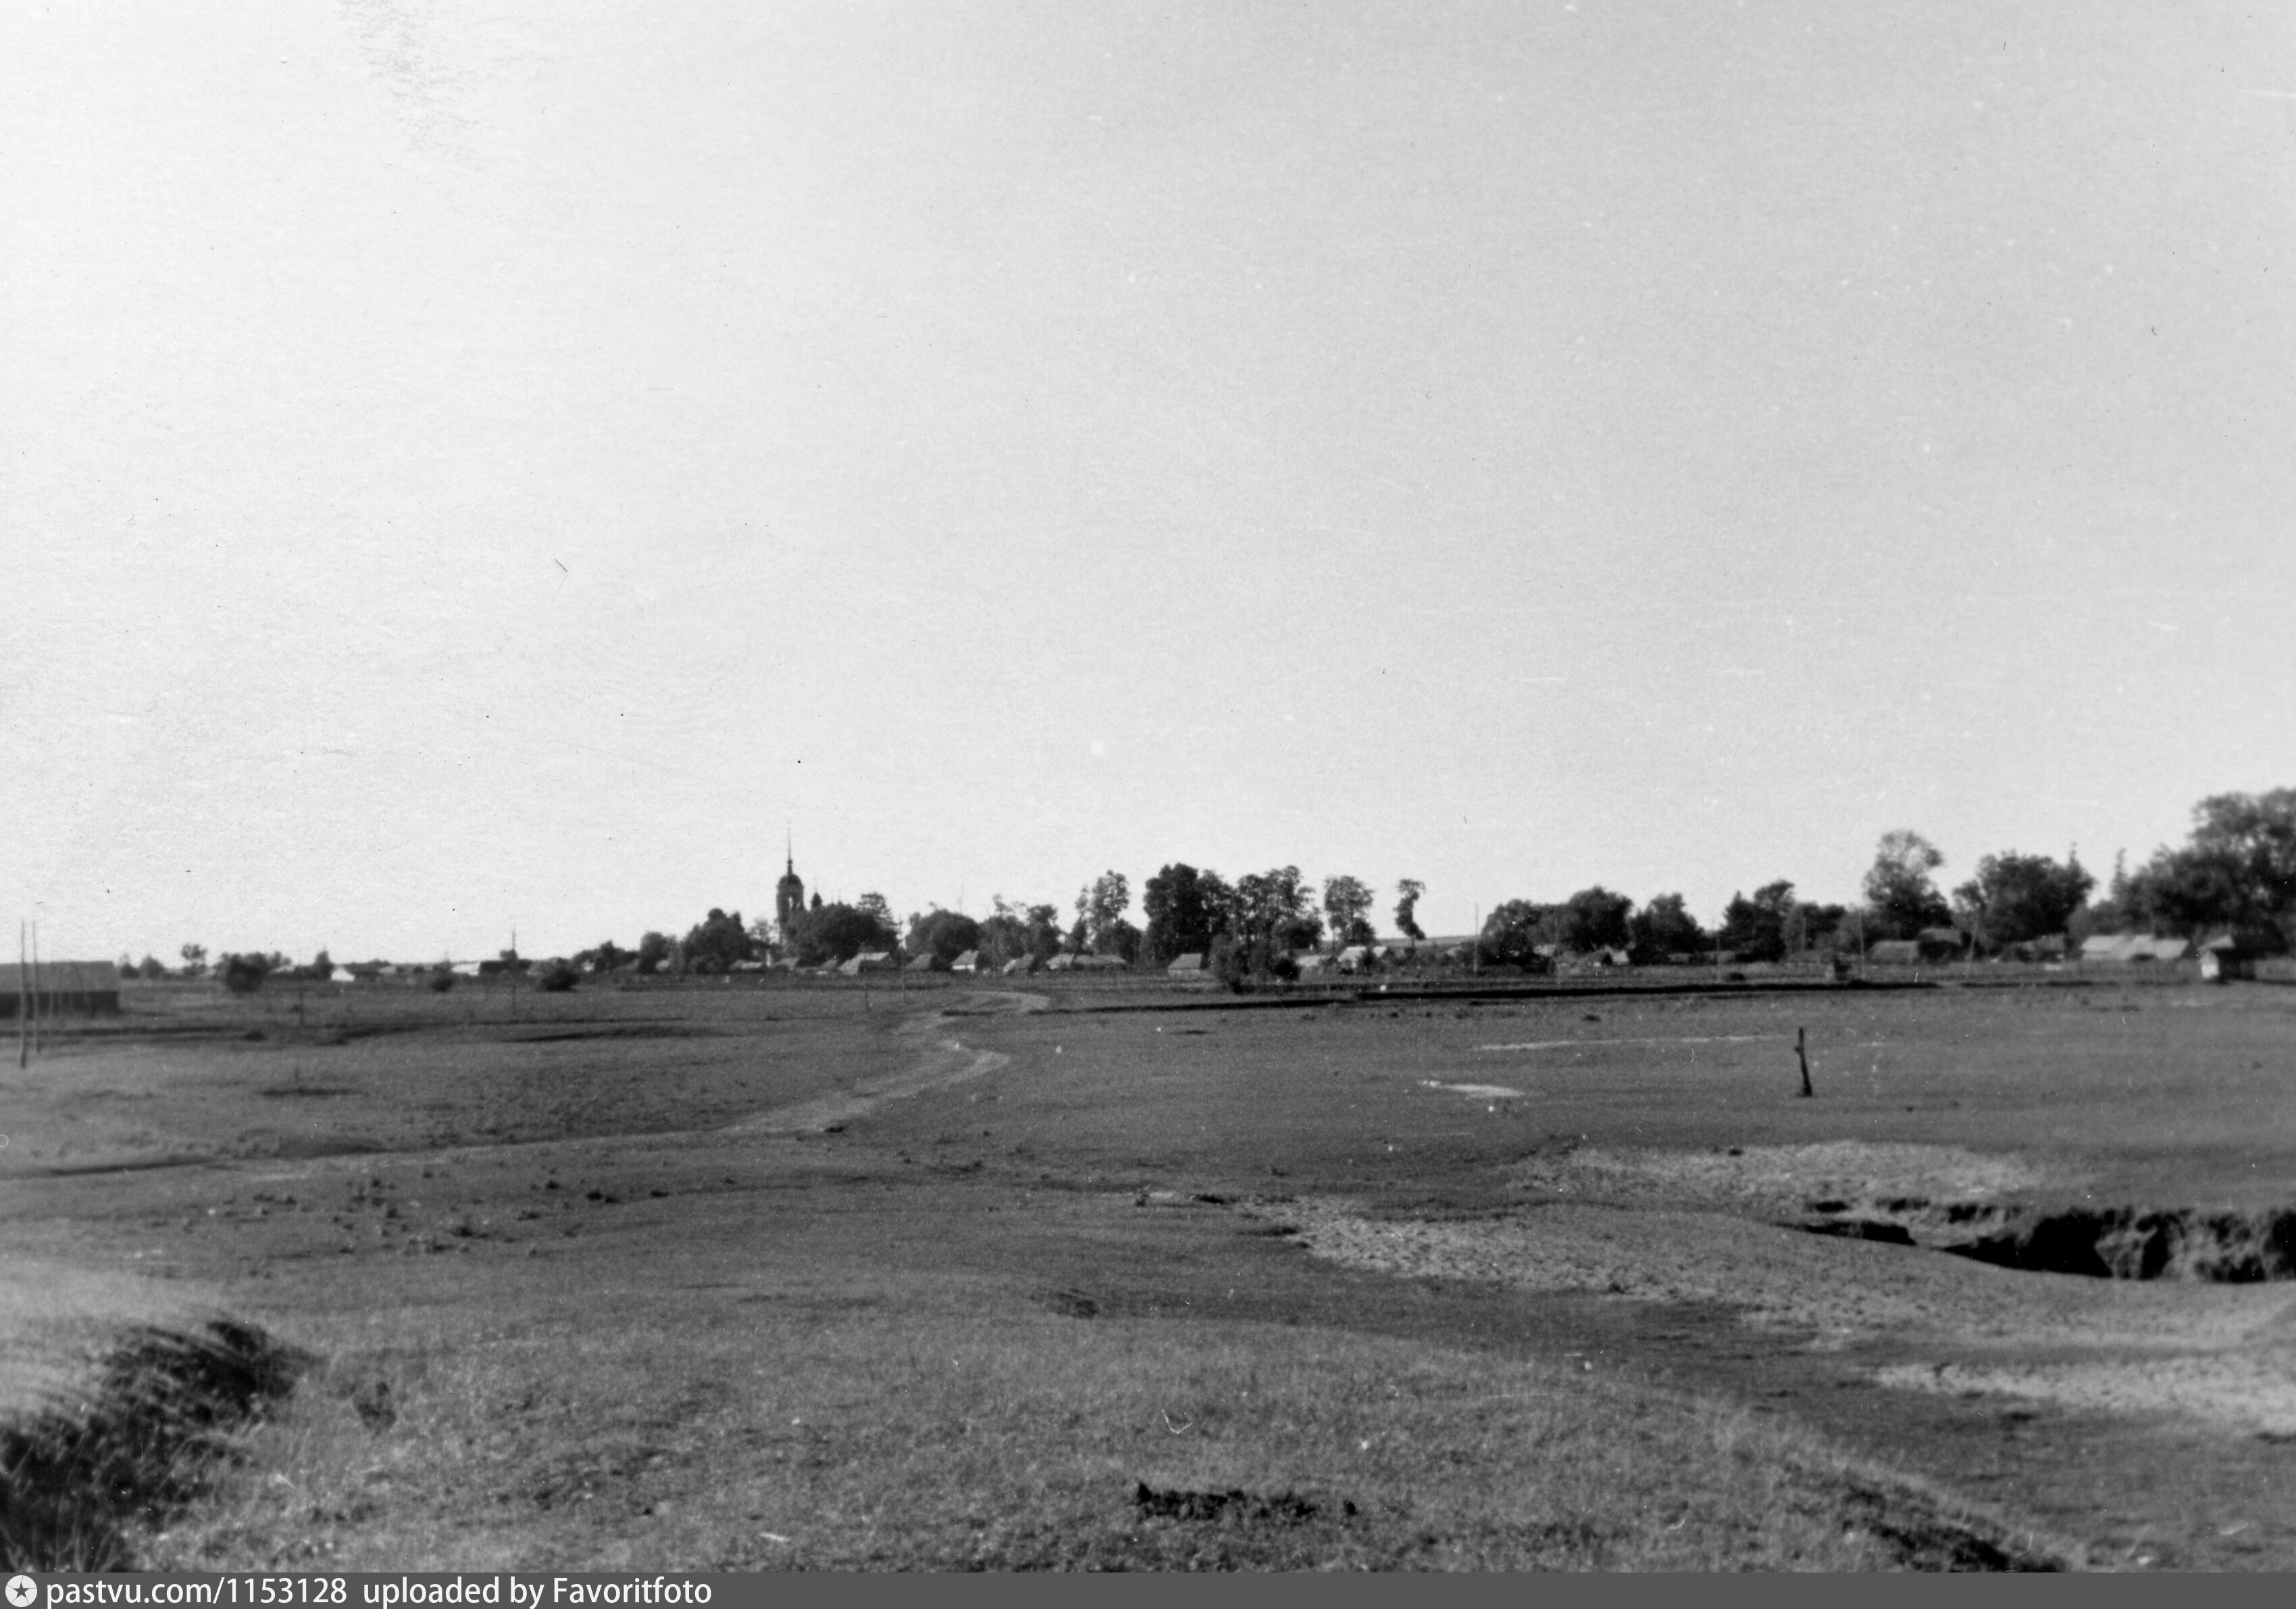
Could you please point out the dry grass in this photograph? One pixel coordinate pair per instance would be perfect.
(884, 1439)
(160, 1415)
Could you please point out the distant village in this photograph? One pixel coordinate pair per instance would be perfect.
(2222, 905)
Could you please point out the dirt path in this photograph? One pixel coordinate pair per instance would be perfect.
(947, 1062)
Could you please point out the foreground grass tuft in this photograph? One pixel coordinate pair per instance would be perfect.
(155, 1426)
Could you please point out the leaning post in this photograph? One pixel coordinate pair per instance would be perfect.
(1801, 1055)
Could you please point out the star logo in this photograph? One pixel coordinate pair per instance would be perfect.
(23, 1591)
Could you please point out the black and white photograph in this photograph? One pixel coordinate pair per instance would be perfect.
(1253, 785)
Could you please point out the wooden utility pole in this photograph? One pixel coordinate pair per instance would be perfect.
(1801, 1055)
(23, 1002)
(40, 1039)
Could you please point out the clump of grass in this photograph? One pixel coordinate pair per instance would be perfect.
(158, 1421)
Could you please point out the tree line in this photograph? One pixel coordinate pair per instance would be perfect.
(2235, 874)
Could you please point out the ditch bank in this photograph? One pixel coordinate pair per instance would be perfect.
(2098, 1243)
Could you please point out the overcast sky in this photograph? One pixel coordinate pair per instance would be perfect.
(475, 465)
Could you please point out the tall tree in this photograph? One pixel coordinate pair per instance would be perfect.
(1756, 929)
(839, 933)
(1665, 927)
(2238, 871)
(195, 960)
(1513, 932)
(1100, 907)
(1406, 907)
(1017, 933)
(1346, 902)
(716, 941)
(944, 935)
(1185, 909)
(2017, 898)
(1900, 896)
(1274, 906)
(1595, 918)
(654, 952)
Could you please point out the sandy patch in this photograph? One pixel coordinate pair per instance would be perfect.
(1700, 1038)
(1482, 1092)
(1784, 1178)
(1842, 1290)
(2253, 1391)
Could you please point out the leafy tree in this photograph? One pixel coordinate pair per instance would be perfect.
(716, 941)
(322, 967)
(1664, 927)
(1755, 928)
(1347, 905)
(1016, 932)
(243, 975)
(1406, 907)
(1100, 907)
(1185, 909)
(556, 977)
(195, 960)
(1512, 934)
(2238, 871)
(1274, 905)
(1821, 926)
(654, 952)
(873, 905)
(944, 935)
(1900, 896)
(1595, 918)
(2016, 897)
(839, 933)
(604, 958)
(151, 967)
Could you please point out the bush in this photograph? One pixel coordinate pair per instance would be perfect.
(440, 982)
(556, 977)
(242, 974)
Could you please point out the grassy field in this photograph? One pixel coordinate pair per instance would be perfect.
(806, 1276)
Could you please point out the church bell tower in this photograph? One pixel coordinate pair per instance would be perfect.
(788, 898)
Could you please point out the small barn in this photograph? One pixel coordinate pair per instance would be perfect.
(1894, 952)
(1020, 966)
(2224, 957)
(65, 988)
(969, 962)
(1943, 943)
(1189, 965)
(926, 963)
(870, 961)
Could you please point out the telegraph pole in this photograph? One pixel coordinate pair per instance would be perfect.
(23, 1002)
(39, 1042)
